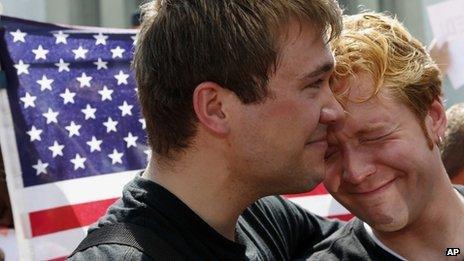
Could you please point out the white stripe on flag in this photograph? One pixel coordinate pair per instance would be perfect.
(75, 191)
(323, 205)
(59, 244)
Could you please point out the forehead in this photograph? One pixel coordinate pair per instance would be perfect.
(375, 112)
(303, 48)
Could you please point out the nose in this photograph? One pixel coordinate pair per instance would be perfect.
(357, 166)
(333, 113)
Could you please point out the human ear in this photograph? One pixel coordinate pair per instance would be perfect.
(208, 100)
(437, 118)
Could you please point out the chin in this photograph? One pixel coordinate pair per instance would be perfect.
(299, 186)
(311, 182)
(387, 224)
(387, 227)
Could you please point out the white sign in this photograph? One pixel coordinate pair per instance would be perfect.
(447, 22)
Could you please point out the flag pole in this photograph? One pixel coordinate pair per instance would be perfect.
(12, 165)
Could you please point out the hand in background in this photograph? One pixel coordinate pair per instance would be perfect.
(440, 54)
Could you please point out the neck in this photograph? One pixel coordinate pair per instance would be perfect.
(439, 227)
(205, 185)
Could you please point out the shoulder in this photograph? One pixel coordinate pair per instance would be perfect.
(279, 205)
(344, 244)
(273, 204)
(288, 214)
(280, 210)
(110, 252)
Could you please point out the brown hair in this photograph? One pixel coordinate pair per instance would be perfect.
(233, 43)
(381, 46)
(452, 149)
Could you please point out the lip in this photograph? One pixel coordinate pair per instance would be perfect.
(381, 188)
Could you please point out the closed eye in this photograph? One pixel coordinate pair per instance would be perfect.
(373, 139)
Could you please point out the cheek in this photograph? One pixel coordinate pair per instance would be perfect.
(398, 155)
(281, 109)
(291, 119)
(333, 176)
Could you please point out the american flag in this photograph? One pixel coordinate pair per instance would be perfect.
(71, 131)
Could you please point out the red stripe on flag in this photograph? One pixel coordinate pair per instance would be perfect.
(319, 190)
(67, 217)
(58, 259)
(344, 217)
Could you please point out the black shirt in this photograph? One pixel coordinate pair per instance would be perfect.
(273, 228)
(353, 242)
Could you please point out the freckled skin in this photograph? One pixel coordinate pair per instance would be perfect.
(400, 160)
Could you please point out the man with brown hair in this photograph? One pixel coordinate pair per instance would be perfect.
(384, 164)
(452, 149)
(237, 104)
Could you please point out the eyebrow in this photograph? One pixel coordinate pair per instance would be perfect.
(320, 70)
(375, 127)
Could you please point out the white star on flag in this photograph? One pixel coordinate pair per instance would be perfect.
(56, 149)
(21, 67)
(94, 144)
(73, 129)
(61, 37)
(116, 157)
(110, 125)
(45, 83)
(40, 167)
(51, 116)
(100, 39)
(18, 36)
(117, 52)
(34, 133)
(84, 80)
(134, 39)
(40, 53)
(130, 140)
(78, 162)
(62, 66)
(68, 97)
(79, 53)
(121, 77)
(144, 123)
(125, 109)
(29, 101)
(89, 112)
(100, 64)
(105, 93)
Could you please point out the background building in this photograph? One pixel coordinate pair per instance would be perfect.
(104, 13)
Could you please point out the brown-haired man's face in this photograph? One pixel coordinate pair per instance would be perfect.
(380, 165)
(280, 143)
